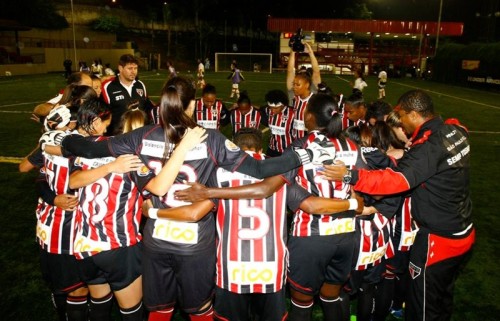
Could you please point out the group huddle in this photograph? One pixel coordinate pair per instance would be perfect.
(168, 213)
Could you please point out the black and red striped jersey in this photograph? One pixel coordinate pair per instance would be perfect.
(299, 106)
(310, 224)
(55, 230)
(211, 118)
(404, 227)
(250, 119)
(109, 210)
(375, 243)
(200, 165)
(251, 249)
(281, 127)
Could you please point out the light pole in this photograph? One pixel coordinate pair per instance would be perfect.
(438, 26)
(74, 36)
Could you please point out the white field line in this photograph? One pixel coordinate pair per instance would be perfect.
(20, 104)
(437, 93)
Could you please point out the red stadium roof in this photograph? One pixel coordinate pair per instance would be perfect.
(364, 26)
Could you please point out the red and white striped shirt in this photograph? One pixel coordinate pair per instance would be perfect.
(251, 250)
(307, 224)
(213, 117)
(250, 119)
(374, 241)
(109, 211)
(299, 127)
(281, 126)
(55, 230)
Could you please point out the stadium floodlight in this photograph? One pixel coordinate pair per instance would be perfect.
(248, 62)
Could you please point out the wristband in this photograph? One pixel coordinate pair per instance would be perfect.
(153, 213)
(353, 204)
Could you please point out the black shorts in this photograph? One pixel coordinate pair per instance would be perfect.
(315, 260)
(60, 272)
(245, 307)
(398, 264)
(119, 267)
(188, 280)
(372, 275)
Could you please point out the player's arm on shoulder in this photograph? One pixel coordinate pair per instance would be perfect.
(186, 213)
(258, 190)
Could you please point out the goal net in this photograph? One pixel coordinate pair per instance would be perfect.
(249, 62)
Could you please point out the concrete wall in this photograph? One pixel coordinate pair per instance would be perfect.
(54, 58)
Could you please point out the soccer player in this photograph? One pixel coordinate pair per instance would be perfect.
(244, 115)
(122, 90)
(210, 112)
(436, 169)
(236, 77)
(382, 81)
(301, 86)
(278, 117)
(354, 111)
(321, 246)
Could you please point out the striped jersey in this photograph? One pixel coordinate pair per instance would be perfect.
(55, 230)
(281, 127)
(109, 210)
(299, 106)
(251, 251)
(250, 119)
(374, 241)
(404, 226)
(200, 164)
(211, 118)
(309, 224)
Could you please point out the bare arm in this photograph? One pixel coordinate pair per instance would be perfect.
(322, 205)
(316, 76)
(290, 71)
(123, 164)
(186, 213)
(259, 190)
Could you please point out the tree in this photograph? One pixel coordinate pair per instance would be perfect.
(358, 10)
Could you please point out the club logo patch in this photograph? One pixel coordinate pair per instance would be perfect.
(140, 92)
(414, 270)
(231, 146)
(144, 171)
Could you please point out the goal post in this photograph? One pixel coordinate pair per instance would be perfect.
(248, 62)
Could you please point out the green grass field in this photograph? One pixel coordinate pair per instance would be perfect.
(25, 297)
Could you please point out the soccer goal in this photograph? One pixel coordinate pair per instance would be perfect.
(249, 62)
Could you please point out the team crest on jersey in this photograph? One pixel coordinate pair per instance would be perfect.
(231, 146)
(79, 162)
(414, 270)
(253, 124)
(140, 92)
(144, 171)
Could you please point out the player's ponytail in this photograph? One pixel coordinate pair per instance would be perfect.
(325, 110)
(177, 95)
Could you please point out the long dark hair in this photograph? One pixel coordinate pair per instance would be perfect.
(89, 110)
(176, 95)
(383, 137)
(325, 111)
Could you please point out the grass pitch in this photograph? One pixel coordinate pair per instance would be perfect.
(24, 295)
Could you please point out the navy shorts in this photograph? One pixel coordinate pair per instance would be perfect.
(60, 272)
(315, 260)
(118, 267)
(252, 306)
(188, 280)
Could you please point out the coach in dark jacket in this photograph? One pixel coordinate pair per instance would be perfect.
(125, 91)
(436, 170)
